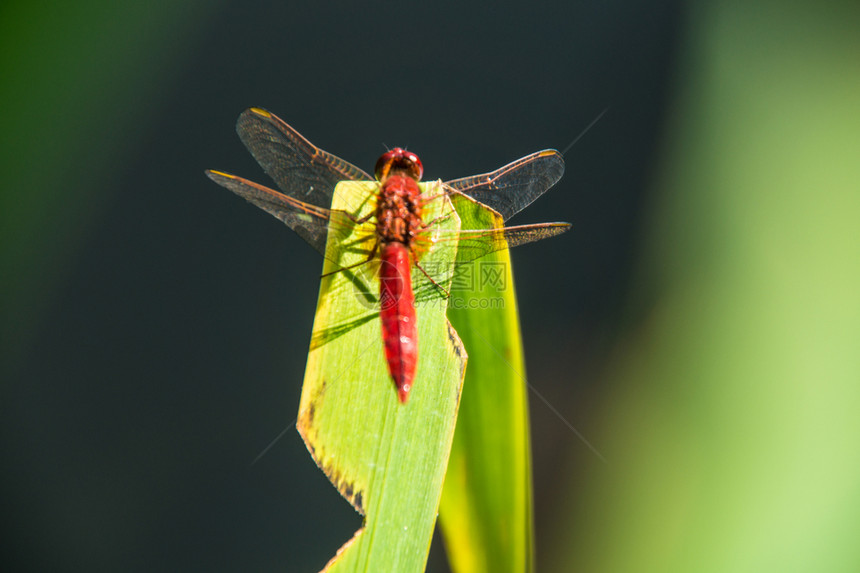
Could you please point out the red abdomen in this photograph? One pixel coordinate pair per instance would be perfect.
(397, 313)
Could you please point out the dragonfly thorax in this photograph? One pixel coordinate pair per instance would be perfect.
(398, 210)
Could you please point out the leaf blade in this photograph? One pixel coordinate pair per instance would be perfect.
(486, 508)
(386, 458)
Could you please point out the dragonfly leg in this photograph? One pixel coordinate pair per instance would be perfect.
(358, 220)
(429, 198)
(364, 219)
(440, 287)
(440, 218)
(358, 264)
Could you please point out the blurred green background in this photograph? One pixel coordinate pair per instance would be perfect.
(700, 326)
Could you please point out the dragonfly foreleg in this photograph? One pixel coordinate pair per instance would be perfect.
(436, 220)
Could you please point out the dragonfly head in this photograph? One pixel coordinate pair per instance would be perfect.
(399, 160)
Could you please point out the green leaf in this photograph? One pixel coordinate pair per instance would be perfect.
(486, 512)
(388, 459)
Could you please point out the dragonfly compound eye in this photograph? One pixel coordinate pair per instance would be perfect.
(399, 159)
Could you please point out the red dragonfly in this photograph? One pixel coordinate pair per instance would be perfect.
(307, 176)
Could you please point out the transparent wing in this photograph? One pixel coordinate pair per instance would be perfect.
(513, 187)
(299, 168)
(307, 175)
(309, 221)
(474, 244)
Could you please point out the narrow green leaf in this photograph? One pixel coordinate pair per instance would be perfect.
(388, 459)
(486, 512)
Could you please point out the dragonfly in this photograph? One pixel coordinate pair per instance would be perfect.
(307, 176)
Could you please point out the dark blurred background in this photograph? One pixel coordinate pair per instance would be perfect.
(700, 325)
